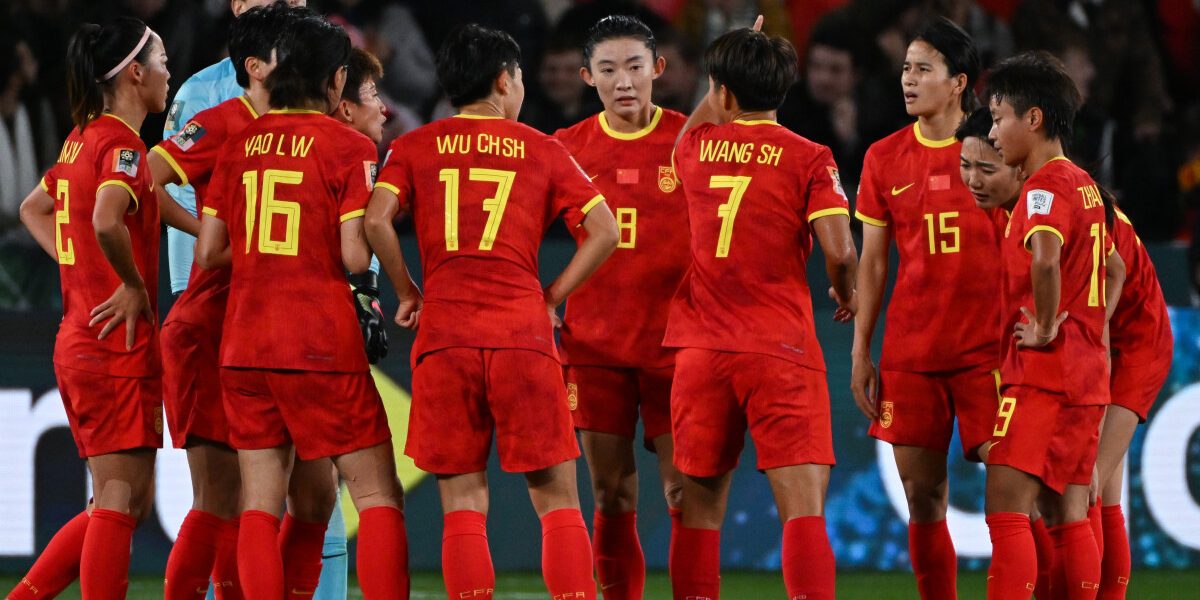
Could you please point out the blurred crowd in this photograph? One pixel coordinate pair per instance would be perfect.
(1137, 63)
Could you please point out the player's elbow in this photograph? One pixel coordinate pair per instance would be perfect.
(356, 260)
(602, 231)
(842, 260)
(107, 228)
(377, 227)
(206, 257)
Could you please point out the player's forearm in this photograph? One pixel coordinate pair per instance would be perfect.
(175, 215)
(37, 213)
(386, 245)
(1047, 293)
(601, 240)
(1114, 283)
(117, 247)
(212, 245)
(872, 275)
(704, 113)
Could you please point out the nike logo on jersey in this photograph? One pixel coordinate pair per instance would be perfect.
(897, 191)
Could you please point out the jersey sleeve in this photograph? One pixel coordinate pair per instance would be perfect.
(358, 179)
(1047, 210)
(686, 149)
(572, 192)
(49, 180)
(825, 195)
(192, 151)
(122, 164)
(217, 202)
(395, 175)
(871, 207)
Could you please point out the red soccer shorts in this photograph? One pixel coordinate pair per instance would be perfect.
(717, 395)
(1037, 433)
(108, 413)
(609, 399)
(918, 409)
(461, 394)
(1136, 388)
(192, 384)
(322, 414)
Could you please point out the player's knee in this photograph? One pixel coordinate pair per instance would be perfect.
(673, 493)
(614, 495)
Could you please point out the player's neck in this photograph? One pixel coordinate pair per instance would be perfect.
(126, 106)
(639, 121)
(1041, 154)
(754, 115)
(483, 108)
(259, 97)
(941, 125)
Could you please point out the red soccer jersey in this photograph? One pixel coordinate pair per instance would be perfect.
(107, 153)
(949, 255)
(753, 189)
(1062, 199)
(482, 192)
(1140, 329)
(193, 153)
(634, 172)
(283, 186)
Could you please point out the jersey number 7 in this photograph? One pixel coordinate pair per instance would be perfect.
(736, 184)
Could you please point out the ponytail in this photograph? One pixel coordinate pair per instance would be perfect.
(93, 53)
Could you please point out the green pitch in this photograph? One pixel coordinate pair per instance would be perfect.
(1156, 585)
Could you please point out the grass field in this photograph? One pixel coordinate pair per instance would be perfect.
(1147, 585)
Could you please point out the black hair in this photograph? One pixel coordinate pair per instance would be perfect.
(616, 27)
(363, 67)
(256, 32)
(93, 51)
(308, 57)
(755, 68)
(1037, 79)
(977, 125)
(958, 51)
(470, 60)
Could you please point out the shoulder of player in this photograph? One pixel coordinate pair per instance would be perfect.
(573, 134)
(894, 141)
(109, 132)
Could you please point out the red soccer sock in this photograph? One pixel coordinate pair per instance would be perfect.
(58, 564)
(225, 568)
(382, 553)
(260, 566)
(1076, 549)
(676, 524)
(466, 560)
(1097, 522)
(1045, 559)
(192, 556)
(104, 562)
(620, 564)
(300, 545)
(1115, 566)
(567, 555)
(1014, 558)
(696, 564)
(933, 559)
(809, 569)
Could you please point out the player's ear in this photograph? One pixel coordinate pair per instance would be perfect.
(1035, 118)
(503, 83)
(660, 64)
(586, 75)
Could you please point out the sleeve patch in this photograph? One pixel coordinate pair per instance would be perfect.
(125, 160)
(191, 133)
(173, 115)
(371, 172)
(1038, 202)
(837, 182)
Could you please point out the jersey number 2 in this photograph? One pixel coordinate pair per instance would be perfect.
(66, 252)
(494, 205)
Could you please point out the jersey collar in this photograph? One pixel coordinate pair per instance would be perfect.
(643, 132)
(928, 142)
(123, 122)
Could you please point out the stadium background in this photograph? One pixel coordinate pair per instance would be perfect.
(1140, 133)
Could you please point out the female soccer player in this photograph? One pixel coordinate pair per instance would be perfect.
(936, 365)
(191, 334)
(614, 370)
(96, 214)
(286, 202)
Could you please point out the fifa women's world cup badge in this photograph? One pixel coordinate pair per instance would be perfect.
(886, 409)
(666, 179)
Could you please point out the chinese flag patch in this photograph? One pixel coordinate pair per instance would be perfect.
(938, 183)
(627, 176)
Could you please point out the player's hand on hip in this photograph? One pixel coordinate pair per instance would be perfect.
(864, 385)
(408, 315)
(125, 305)
(1029, 335)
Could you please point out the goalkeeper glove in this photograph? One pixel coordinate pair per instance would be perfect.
(370, 317)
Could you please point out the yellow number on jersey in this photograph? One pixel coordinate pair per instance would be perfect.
(66, 252)
(943, 228)
(1099, 262)
(1007, 407)
(270, 207)
(494, 206)
(627, 224)
(728, 211)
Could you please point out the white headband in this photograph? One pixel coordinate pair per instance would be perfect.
(132, 53)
